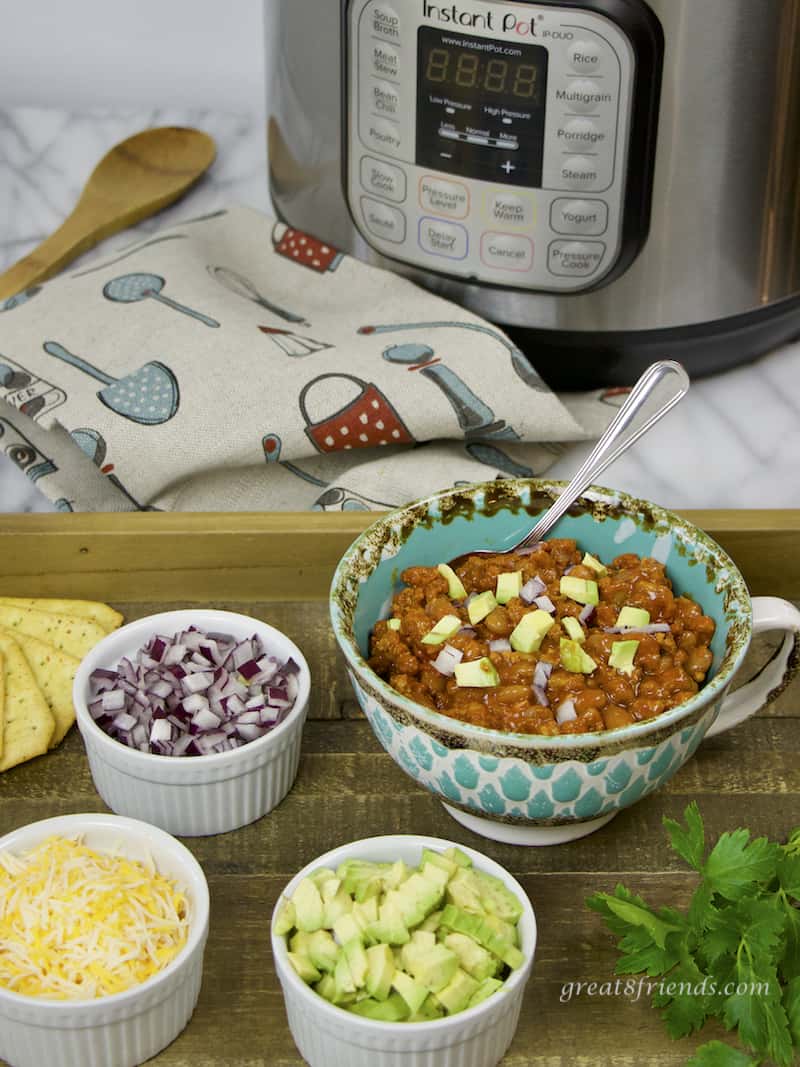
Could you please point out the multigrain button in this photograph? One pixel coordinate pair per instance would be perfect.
(382, 135)
(584, 56)
(384, 22)
(510, 209)
(444, 197)
(588, 217)
(447, 239)
(575, 259)
(507, 251)
(580, 134)
(384, 221)
(583, 96)
(383, 179)
(579, 172)
(385, 98)
(385, 60)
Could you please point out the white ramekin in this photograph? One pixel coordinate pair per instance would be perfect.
(126, 1028)
(195, 795)
(328, 1036)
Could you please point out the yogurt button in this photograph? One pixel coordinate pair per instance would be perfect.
(588, 217)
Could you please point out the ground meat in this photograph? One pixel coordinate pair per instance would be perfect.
(668, 668)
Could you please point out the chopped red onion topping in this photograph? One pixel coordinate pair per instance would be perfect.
(194, 694)
(541, 675)
(540, 696)
(500, 644)
(530, 549)
(586, 613)
(531, 589)
(445, 662)
(566, 712)
(545, 604)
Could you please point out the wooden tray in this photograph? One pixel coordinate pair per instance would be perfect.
(278, 567)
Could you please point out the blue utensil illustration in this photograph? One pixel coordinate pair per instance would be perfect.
(149, 396)
(243, 287)
(33, 396)
(334, 498)
(62, 504)
(474, 416)
(494, 457)
(292, 343)
(94, 445)
(20, 298)
(130, 288)
(23, 452)
(519, 363)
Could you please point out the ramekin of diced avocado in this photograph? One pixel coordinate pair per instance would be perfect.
(403, 936)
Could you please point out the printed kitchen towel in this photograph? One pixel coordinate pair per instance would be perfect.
(233, 363)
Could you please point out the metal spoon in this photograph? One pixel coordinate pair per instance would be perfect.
(608, 449)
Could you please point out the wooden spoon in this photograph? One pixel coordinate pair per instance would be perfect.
(137, 178)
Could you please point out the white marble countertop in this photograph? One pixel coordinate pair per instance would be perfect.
(733, 442)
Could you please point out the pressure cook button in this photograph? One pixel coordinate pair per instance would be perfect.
(385, 98)
(382, 135)
(384, 221)
(589, 217)
(443, 197)
(577, 134)
(507, 251)
(510, 209)
(443, 238)
(383, 179)
(385, 22)
(583, 95)
(385, 60)
(575, 259)
(585, 56)
(579, 172)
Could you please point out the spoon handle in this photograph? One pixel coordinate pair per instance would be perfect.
(615, 440)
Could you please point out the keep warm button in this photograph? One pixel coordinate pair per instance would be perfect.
(575, 259)
(506, 251)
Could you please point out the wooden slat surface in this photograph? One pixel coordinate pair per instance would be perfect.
(348, 787)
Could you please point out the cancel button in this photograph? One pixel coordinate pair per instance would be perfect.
(506, 251)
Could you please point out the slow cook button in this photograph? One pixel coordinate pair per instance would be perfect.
(507, 251)
(384, 221)
(443, 238)
(383, 179)
(443, 197)
(588, 217)
(579, 172)
(384, 22)
(575, 259)
(509, 209)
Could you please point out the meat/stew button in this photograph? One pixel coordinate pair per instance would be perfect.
(506, 251)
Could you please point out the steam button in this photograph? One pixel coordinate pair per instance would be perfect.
(585, 56)
(579, 172)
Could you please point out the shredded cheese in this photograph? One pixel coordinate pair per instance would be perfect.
(81, 924)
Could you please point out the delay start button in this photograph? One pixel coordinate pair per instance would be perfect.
(575, 259)
(447, 239)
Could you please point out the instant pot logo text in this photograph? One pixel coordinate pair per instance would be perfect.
(506, 22)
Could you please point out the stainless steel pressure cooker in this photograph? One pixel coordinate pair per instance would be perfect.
(609, 180)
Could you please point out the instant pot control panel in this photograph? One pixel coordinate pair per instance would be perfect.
(508, 144)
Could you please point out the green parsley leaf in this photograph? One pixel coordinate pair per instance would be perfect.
(756, 1009)
(735, 868)
(686, 1006)
(789, 962)
(691, 842)
(788, 872)
(791, 1004)
(792, 846)
(718, 1054)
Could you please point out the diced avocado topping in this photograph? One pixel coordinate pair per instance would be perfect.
(622, 656)
(478, 673)
(483, 605)
(583, 590)
(451, 958)
(595, 564)
(633, 617)
(446, 627)
(530, 631)
(574, 659)
(508, 586)
(574, 629)
(455, 587)
(393, 624)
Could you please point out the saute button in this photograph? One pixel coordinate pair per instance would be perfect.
(383, 179)
(584, 56)
(588, 217)
(507, 251)
(509, 208)
(576, 259)
(579, 172)
(443, 197)
(384, 22)
(384, 221)
(443, 238)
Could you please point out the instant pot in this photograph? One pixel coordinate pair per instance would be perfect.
(611, 181)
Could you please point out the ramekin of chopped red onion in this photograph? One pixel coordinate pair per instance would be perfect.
(226, 689)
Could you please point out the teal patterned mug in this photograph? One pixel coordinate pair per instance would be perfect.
(532, 789)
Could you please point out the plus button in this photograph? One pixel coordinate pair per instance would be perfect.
(508, 166)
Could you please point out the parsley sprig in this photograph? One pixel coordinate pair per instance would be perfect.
(735, 952)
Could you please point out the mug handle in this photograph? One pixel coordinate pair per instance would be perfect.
(769, 613)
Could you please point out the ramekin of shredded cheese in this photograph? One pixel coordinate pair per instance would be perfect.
(103, 922)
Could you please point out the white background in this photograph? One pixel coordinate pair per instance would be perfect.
(201, 53)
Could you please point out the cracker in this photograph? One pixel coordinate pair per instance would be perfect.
(65, 632)
(102, 614)
(27, 722)
(54, 673)
(2, 699)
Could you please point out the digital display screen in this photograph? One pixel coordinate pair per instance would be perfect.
(481, 106)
